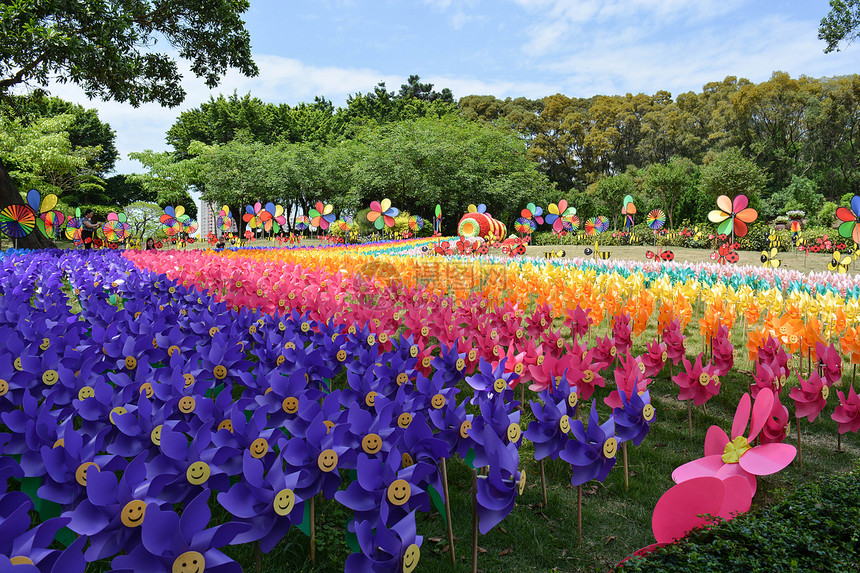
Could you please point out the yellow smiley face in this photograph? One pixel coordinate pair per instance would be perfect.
(383, 337)
(132, 513)
(464, 429)
(284, 502)
(172, 350)
(189, 562)
(564, 424)
(572, 399)
(437, 401)
(704, 379)
(825, 391)
(145, 388)
(522, 484)
(588, 376)
(426, 361)
(226, 425)
(610, 447)
(86, 392)
(514, 432)
(214, 330)
(664, 356)
(131, 362)
(413, 351)
(50, 377)
(17, 364)
(259, 448)
(252, 329)
(406, 460)
(404, 419)
(327, 460)
(305, 327)
(370, 398)
(402, 378)
(371, 340)
(118, 411)
(499, 385)
(410, 558)
(189, 379)
(280, 359)
(425, 331)
(290, 405)
(518, 367)
(460, 365)
(341, 355)
(46, 343)
(220, 372)
(197, 473)
(83, 470)
(4, 387)
(187, 404)
(648, 412)
(155, 435)
(371, 444)
(399, 492)
(641, 367)
(328, 425)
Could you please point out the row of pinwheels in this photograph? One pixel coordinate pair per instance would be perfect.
(17, 221)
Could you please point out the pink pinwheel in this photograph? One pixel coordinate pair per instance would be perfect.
(776, 426)
(697, 383)
(723, 351)
(725, 457)
(557, 213)
(322, 215)
(850, 226)
(382, 214)
(654, 358)
(829, 361)
(847, 413)
(732, 216)
(578, 320)
(810, 397)
(674, 339)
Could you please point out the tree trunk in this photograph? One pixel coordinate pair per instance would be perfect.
(9, 195)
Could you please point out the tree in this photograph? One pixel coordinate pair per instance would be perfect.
(168, 179)
(841, 24)
(121, 191)
(671, 182)
(730, 173)
(413, 88)
(144, 219)
(110, 49)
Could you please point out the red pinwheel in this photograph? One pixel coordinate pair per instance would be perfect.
(732, 216)
(726, 254)
(726, 457)
(556, 215)
(850, 226)
(17, 221)
(382, 214)
(322, 215)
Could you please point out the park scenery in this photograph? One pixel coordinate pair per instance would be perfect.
(414, 333)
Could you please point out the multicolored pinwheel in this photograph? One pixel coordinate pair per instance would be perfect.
(256, 216)
(73, 226)
(322, 215)
(382, 214)
(480, 208)
(44, 207)
(225, 219)
(594, 226)
(275, 219)
(556, 215)
(173, 219)
(302, 222)
(525, 226)
(189, 226)
(732, 217)
(573, 221)
(533, 212)
(17, 221)
(656, 219)
(628, 210)
(343, 225)
(416, 223)
(850, 226)
(116, 228)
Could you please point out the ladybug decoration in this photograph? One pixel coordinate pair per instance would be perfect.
(660, 255)
(725, 254)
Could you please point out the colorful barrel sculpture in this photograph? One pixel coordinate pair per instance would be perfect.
(480, 225)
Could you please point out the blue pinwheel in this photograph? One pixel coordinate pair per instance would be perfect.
(634, 418)
(498, 489)
(591, 454)
(384, 548)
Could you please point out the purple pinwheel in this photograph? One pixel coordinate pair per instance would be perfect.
(499, 419)
(497, 491)
(550, 430)
(372, 434)
(289, 395)
(453, 425)
(317, 457)
(491, 383)
(634, 418)
(182, 468)
(70, 461)
(450, 365)
(591, 454)
(397, 548)
(264, 499)
(182, 544)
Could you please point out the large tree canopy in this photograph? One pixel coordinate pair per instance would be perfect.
(842, 24)
(118, 49)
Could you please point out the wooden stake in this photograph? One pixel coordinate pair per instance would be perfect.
(799, 448)
(690, 417)
(578, 516)
(543, 483)
(258, 557)
(312, 550)
(838, 442)
(448, 509)
(475, 521)
(626, 474)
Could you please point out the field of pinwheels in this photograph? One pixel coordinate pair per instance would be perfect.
(336, 408)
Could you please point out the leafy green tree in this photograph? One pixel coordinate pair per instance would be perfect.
(144, 219)
(120, 50)
(730, 173)
(800, 195)
(670, 183)
(413, 88)
(608, 194)
(840, 25)
(169, 180)
(121, 191)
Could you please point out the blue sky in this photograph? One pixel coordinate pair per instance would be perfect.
(513, 48)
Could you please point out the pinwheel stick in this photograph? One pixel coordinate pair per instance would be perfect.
(258, 557)
(447, 509)
(799, 449)
(579, 516)
(312, 549)
(690, 418)
(475, 521)
(626, 474)
(543, 483)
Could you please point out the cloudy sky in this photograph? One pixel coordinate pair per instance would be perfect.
(529, 48)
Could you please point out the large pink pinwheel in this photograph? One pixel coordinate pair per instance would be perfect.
(850, 226)
(732, 216)
(725, 457)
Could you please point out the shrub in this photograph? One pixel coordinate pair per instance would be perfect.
(827, 214)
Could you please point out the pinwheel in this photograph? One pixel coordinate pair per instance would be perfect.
(533, 212)
(591, 453)
(437, 220)
(628, 210)
(847, 413)
(573, 221)
(172, 220)
(73, 226)
(50, 223)
(839, 264)
(416, 223)
(275, 218)
(224, 221)
(850, 226)
(256, 216)
(769, 260)
(17, 221)
(556, 215)
(655, 219)
(189, 226)
(382, 214)
(386, 548)
(593, 227)
(726, 457)
(43, 207)
(732, 216)
(302, 222)
(550, 430)
(480, 208)
(497, 491)
(322, 215)
(116, 228)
